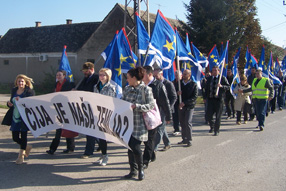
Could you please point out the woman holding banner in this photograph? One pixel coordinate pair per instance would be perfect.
(106, 88)
(23, 88)
(62, 85)
(133, 94)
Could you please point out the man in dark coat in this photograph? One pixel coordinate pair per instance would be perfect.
(215, 101)
(161, 96)
(189, 95)
(172, 96)
(87, 84)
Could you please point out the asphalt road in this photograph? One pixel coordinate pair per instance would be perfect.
(240, 158)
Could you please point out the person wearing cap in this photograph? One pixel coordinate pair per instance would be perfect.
(87, 84)
(262, 91)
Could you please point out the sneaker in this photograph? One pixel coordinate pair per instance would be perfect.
(261, 128)
(238, 123)
(166, 148)
(272, 112)
(85, 156)
(280, 108)
(228, 118)
(245, 122)
(99, 160)
(177, 133)
(104, 160)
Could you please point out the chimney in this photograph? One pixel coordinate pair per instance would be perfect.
(38, 23)
(69, 21)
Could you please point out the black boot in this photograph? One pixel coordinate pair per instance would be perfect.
(139, 161)
(133, 166)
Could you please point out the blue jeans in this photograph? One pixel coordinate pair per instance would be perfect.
(260, 107)
(90, 144)
(162, 133)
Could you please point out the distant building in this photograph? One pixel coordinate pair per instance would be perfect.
(35, 50)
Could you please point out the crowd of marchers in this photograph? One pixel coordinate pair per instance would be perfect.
(254, 97)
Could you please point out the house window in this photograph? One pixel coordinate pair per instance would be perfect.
(90, 60)
(6, 62)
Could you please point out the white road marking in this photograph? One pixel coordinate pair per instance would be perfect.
(224, 143)
(183, 160)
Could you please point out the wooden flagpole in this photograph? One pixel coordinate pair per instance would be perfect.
(220, 76)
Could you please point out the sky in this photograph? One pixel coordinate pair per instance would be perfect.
(19, 13)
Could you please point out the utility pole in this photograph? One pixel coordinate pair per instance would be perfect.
(130, 28)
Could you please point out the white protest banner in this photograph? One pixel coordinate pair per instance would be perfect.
(87, 113)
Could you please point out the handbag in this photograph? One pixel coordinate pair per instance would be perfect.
(151, 118)
(68, 133)
(7, 120)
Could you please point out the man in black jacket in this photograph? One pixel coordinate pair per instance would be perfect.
(172, 96)
(215, 102)
(229, 99)
(189, 95)
(87, 84)
(160, 94)
(250, 79)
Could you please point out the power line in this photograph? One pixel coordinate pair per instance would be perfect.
(271, 6)
(274, 26)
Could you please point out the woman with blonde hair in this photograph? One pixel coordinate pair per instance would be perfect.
(242, 101)
(106, 88)
(23, 88)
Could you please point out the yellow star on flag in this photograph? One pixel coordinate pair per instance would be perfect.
(118, 70)
(212, 56)
(201, 55)
(215, 60)
(122, 59)
(189, 65)
(169, 45)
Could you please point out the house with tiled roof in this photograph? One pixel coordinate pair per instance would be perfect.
(37, 50)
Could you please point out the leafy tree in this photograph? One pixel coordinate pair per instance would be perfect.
(211, 22)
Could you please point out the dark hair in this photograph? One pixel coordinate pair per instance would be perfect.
(216, 67)
(138, 72)
(148, 69)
